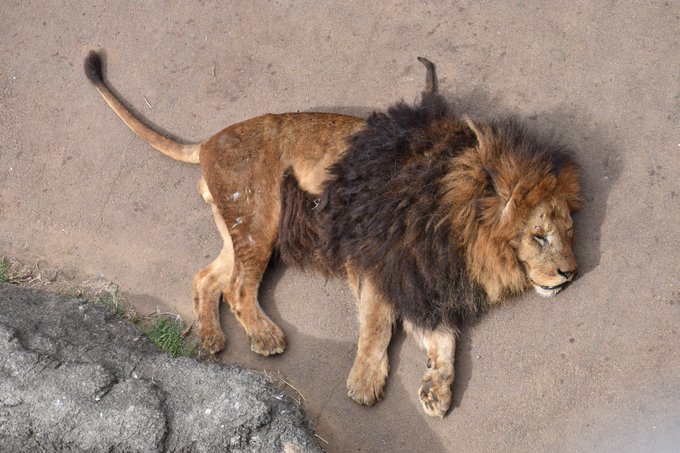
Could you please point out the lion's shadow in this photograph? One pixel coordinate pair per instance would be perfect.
(314, 369)
(601, 167)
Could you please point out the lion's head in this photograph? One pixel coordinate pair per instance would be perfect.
(544, 247)
(514, 199)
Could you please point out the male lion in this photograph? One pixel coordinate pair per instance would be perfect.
(431, 217)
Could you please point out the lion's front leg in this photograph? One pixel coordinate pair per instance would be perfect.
(366, 380)
(435, 390)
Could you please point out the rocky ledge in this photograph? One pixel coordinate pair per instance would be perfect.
(76, 377)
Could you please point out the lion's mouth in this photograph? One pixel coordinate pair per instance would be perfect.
(548, 291)
(553, 288)
(549, 288)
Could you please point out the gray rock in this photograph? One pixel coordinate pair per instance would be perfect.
(75, 377)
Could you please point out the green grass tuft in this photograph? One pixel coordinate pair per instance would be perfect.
(166, 333)
(4, 270)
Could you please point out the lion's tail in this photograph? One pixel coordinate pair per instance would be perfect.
(188, 152)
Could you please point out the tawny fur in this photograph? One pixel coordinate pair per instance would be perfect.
(431, 217)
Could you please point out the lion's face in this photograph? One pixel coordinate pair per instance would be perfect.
(544, 247)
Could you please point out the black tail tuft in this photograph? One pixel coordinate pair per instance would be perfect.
(93, 67)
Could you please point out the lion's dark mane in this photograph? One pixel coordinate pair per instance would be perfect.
(382, 212)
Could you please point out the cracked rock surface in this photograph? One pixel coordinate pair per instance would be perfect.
(75, 377)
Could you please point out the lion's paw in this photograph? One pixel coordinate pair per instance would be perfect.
(435, 394)
(213, 341)
(366, 382)
(268, 339)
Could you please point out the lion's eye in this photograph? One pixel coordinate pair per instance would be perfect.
(541, 239)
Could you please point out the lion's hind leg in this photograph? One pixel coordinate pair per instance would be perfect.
(206, 283)
(266, 338)
(237, 272)
(252, 250)
(366, 381)
(435, 390)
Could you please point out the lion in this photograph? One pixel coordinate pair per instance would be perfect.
(432, 218)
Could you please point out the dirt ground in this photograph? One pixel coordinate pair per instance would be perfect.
(595, 369)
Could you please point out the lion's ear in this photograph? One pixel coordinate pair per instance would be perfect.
(511, 202)
(503, 194)
(501, 203)
(568, 185)
(479, 132)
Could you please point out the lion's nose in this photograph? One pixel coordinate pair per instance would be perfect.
(566, 274)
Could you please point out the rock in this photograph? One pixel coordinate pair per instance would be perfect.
(75, 377)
